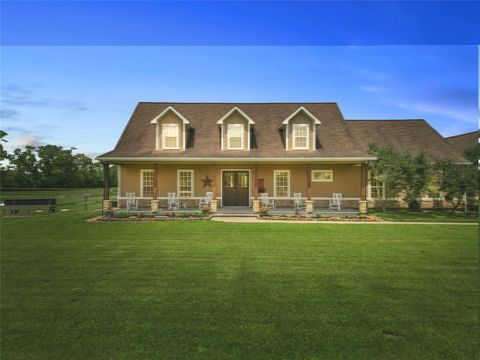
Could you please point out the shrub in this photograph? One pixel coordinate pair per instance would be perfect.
(122, 214)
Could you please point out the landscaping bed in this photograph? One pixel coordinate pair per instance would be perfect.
(148, 216)
(363, 218)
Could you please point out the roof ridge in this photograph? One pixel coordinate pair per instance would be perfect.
(467, 133)
(233, 102)
(386, 120)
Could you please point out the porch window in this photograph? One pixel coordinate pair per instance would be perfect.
(235, 136)
(300, 136)
(185, 183)
(376, 187)
(281, 180)
(170, 133)
(322, 175)
(147, 182)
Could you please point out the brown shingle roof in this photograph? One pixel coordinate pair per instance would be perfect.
(463, 142)
(333, 135)
(407, 135)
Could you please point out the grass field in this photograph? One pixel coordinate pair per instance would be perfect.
(425, 215)
(70, 200)
(208, 290)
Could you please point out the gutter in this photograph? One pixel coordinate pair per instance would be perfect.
(233, 160)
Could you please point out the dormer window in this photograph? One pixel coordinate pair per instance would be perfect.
(297, 131)
(300, 136)
(235, 136)
(235, 128)
(171, 130)
(170, 135)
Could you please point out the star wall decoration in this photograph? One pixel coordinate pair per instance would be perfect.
(207, 182)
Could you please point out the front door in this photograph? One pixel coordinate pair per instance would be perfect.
(235, 188)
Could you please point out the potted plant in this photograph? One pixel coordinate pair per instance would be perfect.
(205, 209)
(263, 211)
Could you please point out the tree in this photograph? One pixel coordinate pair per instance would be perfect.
(404, 173)
(473, 153)
(3, 152)
(25, 167)
(455, 181)
(49, 166)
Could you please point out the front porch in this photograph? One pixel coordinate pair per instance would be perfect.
(239, 191)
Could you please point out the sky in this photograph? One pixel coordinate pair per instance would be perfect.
(82, 96)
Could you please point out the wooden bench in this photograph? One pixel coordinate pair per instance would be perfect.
(15, 205)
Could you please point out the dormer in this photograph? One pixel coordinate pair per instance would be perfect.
(300, 130)
(171, 130)
(235, 130)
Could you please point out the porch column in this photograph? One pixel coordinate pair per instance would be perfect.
(155, 185)
(255, 181)
(309, 182)
(362, 204)
(106, 204)
(106, 181)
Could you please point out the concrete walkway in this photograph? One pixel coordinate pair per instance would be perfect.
(257, 220)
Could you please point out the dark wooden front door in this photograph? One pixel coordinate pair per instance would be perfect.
(235, 188)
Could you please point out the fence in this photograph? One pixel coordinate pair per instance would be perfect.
(67, 200)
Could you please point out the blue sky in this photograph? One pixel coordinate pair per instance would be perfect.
(83, 96)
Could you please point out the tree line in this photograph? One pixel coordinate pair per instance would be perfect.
(413, 175)
(49, 166)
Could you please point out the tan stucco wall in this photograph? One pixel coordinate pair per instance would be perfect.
(301, 118)
(170, 118)
(235, 118)
(346, 178)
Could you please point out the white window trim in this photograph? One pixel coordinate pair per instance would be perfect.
(241, 138)
(325, 170)
(294, 133)
(369, 189)
(275, 183)
(164, 137)
(143, 171)
(193, 181)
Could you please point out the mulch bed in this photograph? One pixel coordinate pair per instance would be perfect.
(368, 218)
(106, 218)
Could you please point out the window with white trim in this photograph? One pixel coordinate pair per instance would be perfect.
(281, 183)
(376, 187)
(185, 183)
(170, 136)
(300, 136)
(147, 181)
(322, 175)
(235, 136)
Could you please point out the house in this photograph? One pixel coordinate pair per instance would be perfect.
(463, 142)
(239, 150)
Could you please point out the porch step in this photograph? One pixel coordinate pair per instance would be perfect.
(233, 214)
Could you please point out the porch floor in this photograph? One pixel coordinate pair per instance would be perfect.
(247, 211)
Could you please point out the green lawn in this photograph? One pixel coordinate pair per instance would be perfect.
(208, 290)
(424, 215)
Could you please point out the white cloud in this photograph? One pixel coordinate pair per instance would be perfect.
(21, 141)
(374, 89)
(457, 113)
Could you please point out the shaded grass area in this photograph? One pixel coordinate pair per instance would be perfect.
(73, 199)
(211, 290)
(424, 215)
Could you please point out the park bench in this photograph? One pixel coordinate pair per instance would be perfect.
(15, 205)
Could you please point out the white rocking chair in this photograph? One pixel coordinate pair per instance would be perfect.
(206, 201)
(131, 201)
(298, 202)
(173, 202)
(335, 202)
(266, 202)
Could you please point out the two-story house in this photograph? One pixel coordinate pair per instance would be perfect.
(239, 150)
